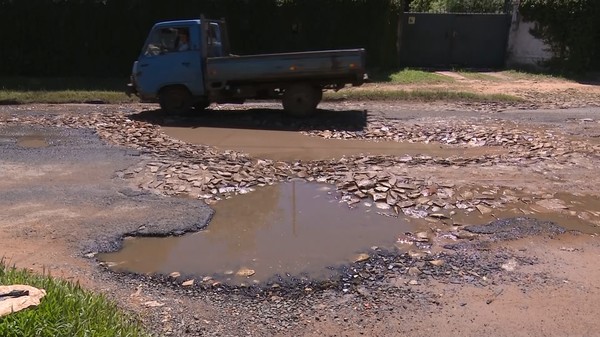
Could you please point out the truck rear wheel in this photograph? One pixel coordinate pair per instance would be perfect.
(175, 100)
(301, 100)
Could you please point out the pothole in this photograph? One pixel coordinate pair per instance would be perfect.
(32, 141)
(286, 230)
(290, 146)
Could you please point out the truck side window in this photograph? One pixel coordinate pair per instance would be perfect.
(166, 40)
(183, 39)
(213, 40)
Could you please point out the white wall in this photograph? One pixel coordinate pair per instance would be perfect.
(523, 48)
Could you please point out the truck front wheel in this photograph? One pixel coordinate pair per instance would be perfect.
(301, 100)
(175, 100)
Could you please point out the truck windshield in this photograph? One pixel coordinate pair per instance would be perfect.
(164, 40)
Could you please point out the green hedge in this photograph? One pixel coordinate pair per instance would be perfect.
(103, 37)
(571, 28)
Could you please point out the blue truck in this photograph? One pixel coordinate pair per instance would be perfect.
(187, 64)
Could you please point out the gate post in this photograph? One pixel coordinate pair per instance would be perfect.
(399, 36)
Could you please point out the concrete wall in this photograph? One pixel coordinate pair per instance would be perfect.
(523, 48)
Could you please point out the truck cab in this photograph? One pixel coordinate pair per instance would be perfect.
(187, 63)
(166, 70)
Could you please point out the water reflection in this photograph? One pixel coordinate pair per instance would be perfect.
(294, 228)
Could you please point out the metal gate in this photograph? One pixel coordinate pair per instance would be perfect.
(454, 40)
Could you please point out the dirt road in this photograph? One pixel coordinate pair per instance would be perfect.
(76, 178)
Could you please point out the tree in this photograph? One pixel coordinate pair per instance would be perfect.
(570, 27)
(457, 6)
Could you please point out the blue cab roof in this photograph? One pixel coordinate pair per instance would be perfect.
(177, 23)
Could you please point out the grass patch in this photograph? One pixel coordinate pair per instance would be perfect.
(64, 96)
(66, 310)
(525, 75)
(411, 76)
(62, 84)
(57, 90)
(23, 90)
(419, 95)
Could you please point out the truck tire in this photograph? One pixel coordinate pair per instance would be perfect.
(301, 100)
(175, 100)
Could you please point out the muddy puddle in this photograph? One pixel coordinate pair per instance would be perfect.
(26, 137)
(32, 141)
(289, 145)
(294, 228)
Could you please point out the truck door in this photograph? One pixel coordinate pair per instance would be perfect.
(171, 57)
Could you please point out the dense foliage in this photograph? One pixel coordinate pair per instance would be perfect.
(571, 28)
(103, 37)
(458, 6)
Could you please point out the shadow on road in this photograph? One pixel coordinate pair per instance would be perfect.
(263, 118)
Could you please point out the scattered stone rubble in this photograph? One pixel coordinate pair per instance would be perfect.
(174, 167)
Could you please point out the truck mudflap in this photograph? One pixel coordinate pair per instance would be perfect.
(130, 90)
(365, 79)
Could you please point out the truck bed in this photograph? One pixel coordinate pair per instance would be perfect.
(321, 67)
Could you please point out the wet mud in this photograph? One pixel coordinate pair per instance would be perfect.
(34, 141)
(290, 146)
(290, 229)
